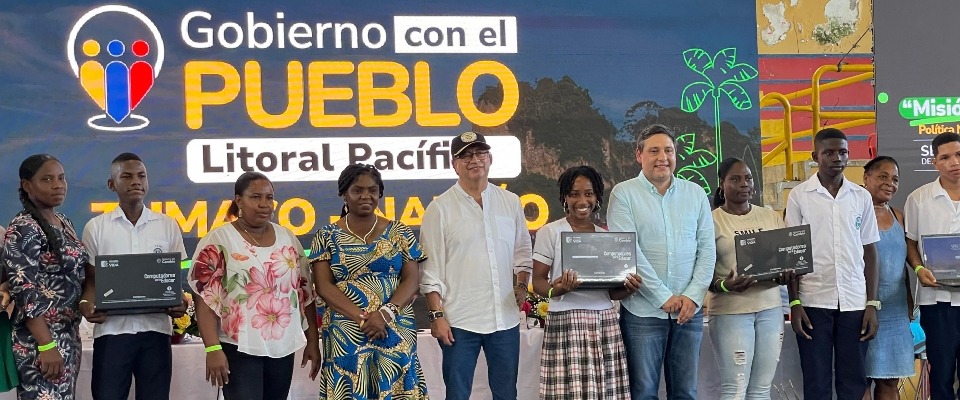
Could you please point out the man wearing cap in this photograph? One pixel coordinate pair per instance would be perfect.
(475, 277)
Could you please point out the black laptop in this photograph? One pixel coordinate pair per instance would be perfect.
(600, 259)
(765, 254)
(941, 255)
(138, 283)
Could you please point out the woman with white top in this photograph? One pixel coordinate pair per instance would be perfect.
(256, 304)
(583, 354)
(746, 321)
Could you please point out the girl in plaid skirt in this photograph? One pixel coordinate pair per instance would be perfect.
(583, 355)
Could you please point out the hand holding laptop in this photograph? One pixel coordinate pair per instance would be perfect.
(566, 283)
(89, 311)
(926, 278)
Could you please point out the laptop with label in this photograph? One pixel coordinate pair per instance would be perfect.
(137, 283)
(941, 255)
(600, 259)
(766, 254)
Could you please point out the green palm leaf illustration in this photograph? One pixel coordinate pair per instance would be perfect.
(738, 95)
(692, 175)
(697, 60)
(725, 59)
(694, 95)
(686, 142)
(740, 73)
(697, 158)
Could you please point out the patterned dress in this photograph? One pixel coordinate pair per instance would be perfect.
(355, 367)
(47, 287)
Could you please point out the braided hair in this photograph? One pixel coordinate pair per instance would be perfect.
(29, 168)
(722, 170)
(243, 182)
(565, 182)
(350, 174)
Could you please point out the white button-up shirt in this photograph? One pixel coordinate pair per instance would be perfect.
(930, 211)
(112, 233)
(839, 228)
(472, 254)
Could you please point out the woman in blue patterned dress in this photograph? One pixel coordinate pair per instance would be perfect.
(365, 269)
(890, 354)
(45, 263)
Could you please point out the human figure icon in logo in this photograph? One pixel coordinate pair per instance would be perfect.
(116, 88)
(119, 80)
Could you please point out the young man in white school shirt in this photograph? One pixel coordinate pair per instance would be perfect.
(130, 346)
(834, 308)
(475, 277)
(934, 209)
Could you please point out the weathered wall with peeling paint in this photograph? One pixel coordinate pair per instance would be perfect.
(813, 27)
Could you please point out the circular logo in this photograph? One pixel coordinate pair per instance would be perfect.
(468, 137)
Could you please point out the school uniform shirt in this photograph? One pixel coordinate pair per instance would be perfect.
(112, 234)
(547, 250)
(930, 211)
(839, 228)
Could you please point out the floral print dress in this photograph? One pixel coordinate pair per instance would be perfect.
(258, 293)
(44, 286)
(355, 367)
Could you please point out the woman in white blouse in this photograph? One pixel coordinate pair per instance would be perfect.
(256, 307)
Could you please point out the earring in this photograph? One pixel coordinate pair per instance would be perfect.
(239, 213)
(346, 210)
(566, 210)
(597, 208)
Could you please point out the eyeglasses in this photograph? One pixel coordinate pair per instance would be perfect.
(480, 154)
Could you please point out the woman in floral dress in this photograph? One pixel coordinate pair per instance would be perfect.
(255, 307)
(366, 271)
(44, 261)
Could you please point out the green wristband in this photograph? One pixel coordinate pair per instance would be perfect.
(723, 286)
(550, 293)
(795, 303)
(917, 269)
(213, 348)
(47, 347)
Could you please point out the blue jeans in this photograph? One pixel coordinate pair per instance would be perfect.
(941, 323)
(747, 347)
(502, 350)
(834, 349)
(652, 341)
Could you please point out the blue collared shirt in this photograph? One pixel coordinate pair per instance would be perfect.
(676, 252)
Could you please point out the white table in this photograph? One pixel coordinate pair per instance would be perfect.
(189, 360)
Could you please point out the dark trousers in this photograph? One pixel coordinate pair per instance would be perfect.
(144, 356)
(941, 324)
(257, 377)
(835, 350)
(502, 350)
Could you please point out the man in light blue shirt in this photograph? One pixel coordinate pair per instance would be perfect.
(676, 257)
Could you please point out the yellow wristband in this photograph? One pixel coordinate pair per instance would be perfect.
(550, 293)
(917, 269)
(213, 348)
(795, 303)
(723, 286)
(47, 347)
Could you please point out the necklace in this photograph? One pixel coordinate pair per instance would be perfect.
(255, 241)
(346, 221)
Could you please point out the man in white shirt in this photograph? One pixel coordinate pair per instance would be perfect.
(130, 346)
(475, 277)
(934, 209)
(834, 308)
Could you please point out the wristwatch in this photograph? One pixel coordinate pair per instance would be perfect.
(433, 315)
(874, 303)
